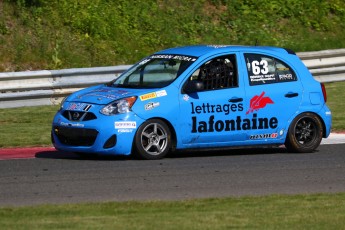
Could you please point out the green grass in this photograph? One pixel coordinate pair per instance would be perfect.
(336, 102)
(53, 34)
(26, 126)
(31, 126)
(320, 211)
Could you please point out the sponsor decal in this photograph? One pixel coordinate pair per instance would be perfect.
(151, 105)
(217, 46)
(287, 76)
(107, 93)
(87, 108)
(264, 136)
(238, 123)
(79, 106)
(168, 56)
(263, 78)
(71, 124)
(125, 130)
(143, 62)
(125, 124)
(210, 108)
(259, 102)
(161, 93)
(148, 96)
(175, 57)
(152, 95)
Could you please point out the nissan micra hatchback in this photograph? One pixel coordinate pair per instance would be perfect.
(204, 96)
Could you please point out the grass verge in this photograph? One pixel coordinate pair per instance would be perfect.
(336, 94)
(320, 211)
(26, 126)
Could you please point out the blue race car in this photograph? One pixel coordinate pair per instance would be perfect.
(204, 96)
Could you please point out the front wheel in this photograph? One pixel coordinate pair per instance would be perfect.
(152, 140)
(305, 133)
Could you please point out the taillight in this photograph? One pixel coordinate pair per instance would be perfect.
(324, 91)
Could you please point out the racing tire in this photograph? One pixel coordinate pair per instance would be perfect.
(152, 140)
(305, 133)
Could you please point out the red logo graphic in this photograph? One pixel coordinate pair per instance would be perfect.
(259, 102)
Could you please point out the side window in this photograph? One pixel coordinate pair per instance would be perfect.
(263, 69)
(217, 73)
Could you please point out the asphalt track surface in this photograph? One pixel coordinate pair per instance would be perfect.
(45, 176)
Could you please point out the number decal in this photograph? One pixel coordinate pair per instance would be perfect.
(256, 66)
(264, 64)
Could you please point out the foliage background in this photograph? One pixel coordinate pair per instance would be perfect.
(53, 34)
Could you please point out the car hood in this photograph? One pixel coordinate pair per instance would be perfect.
(103, 94)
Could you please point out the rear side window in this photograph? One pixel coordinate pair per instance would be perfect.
(263, 69)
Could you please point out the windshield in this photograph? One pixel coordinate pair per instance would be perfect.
(155, 71)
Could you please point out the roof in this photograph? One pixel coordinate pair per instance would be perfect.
(200, 50)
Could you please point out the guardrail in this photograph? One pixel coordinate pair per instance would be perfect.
(326, 65)
(48, 87)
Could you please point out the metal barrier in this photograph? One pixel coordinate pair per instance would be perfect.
(33, 88)
(326, 65)
(48, 87)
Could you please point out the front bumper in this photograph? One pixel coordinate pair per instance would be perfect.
(101, 135)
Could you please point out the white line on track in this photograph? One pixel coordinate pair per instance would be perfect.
(334, 138)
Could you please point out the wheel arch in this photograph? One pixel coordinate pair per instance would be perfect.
(305, 132)
(171, 128)
(316, 114)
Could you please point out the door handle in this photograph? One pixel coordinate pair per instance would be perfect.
(235, 99)
(290, 95)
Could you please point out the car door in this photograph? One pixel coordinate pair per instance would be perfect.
(211, 117)
(274, 94)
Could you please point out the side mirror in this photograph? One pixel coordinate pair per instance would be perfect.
(194, 86)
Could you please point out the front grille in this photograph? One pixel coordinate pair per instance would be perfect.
(76, 137)
(78, 115)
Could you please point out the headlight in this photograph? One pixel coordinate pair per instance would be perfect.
(120, 106)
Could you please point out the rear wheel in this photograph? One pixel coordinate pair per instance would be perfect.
(305, 133)
(152, 140)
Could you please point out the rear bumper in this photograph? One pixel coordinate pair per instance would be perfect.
(326, 116)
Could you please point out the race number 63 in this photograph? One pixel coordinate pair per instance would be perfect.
(260, 67)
